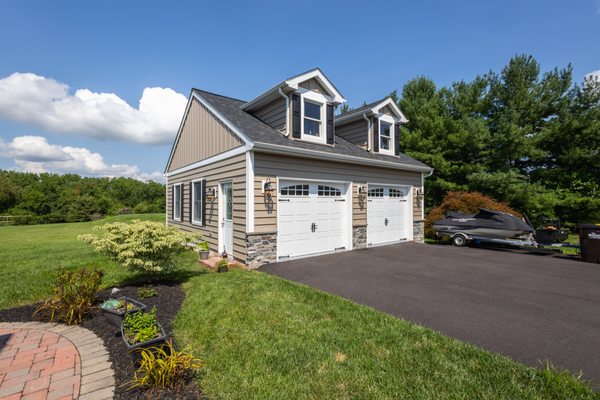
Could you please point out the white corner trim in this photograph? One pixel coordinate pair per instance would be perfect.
(219, 157)
(228, 123)
(249, 191)
(321, 155)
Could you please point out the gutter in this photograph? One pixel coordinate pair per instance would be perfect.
(368, 132)
(287, 112)
(321, 155)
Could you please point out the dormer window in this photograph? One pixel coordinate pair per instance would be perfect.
(386, 135)
(312, 118)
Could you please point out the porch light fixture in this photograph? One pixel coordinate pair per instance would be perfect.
(419, 196)
(211, 193)
(362, 191)
(268, 187)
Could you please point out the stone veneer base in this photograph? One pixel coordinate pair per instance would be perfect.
(419, 231)
(261, 249)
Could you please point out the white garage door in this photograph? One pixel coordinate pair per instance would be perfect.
(388, 214)
(313, 217)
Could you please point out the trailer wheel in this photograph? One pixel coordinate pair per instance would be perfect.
(459, 240)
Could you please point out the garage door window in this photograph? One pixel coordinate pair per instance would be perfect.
(328, 191)
(396, 193)
(378, 192)
(294, 190)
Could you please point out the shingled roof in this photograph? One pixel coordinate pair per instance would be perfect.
(261, 133)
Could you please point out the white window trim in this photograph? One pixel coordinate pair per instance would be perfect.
(388, 120)
(180, 185)
(315, 98)
(196, 221)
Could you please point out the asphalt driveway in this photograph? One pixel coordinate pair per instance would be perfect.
(531, 308)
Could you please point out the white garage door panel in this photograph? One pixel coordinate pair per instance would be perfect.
(313, 218)
(388, 214)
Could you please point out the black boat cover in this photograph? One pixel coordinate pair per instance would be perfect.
(488, 218)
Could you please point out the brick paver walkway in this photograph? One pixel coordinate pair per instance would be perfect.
(53, 361)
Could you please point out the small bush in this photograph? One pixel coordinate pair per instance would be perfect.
(203, 245)
(164, 368)
(466, 202)
(142, 245)
(146, 292)
(222, 263)
(140, 326)
(73, 296)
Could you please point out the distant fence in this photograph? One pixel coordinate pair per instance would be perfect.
(11, 219)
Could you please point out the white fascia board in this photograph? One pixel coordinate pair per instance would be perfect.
(249, 191)
(390, 102)
(187, 109)
(264, 97)
(219, 157)
(321, 155)
(316, 73)
(223, 119)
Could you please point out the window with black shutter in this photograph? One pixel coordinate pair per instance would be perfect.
(197, 205)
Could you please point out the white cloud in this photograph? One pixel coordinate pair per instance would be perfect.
(41, 101)
(35, 154)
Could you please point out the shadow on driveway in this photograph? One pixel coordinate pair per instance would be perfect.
(531, 308)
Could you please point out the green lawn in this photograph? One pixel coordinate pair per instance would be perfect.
(267, 338)
(30, 257)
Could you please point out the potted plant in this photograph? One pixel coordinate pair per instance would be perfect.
(203, 250)
(222, 265)
(140, 329)
(114, 310)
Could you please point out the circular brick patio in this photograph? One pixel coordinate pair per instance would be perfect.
(53, 361)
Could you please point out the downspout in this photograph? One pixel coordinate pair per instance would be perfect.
(368, 131)
(287, 112)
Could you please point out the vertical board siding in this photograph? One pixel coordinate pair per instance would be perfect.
(273, 114)
(202, 136)
(355, 132)
(314, 85)
(233, 169)
(274, 165)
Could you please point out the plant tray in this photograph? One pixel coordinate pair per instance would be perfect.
(115, 316)
(159, 340)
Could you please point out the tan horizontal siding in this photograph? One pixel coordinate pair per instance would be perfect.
(233, 169)
(273, 114)
(417, 205)
(202, 136)
(273, 166)
(355, 132)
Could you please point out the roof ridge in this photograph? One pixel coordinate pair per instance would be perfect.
(220, 95)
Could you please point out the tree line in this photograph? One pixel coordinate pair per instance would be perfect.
(48, 198)
(523, 137)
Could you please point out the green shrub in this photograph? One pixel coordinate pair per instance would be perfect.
(140, 326)
(222, 263)
(142, 245)
(146, 292)
(73, 296)
(164, 368)
(203, 245)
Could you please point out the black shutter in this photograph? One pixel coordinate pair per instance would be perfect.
(376, 134)
(173, 202)
(191, 201)
(203, 205)
(397, 139)
(330, 132)
(296, 117)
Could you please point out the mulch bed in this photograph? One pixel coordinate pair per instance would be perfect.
(168, 302)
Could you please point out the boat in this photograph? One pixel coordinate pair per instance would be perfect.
(486, 223)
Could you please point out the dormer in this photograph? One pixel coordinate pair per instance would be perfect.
(375, 127)
(301, 107)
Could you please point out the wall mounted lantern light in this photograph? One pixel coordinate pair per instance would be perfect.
(267, 188)
(211, 193)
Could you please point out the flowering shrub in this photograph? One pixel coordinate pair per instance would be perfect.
(141, 245)
(465, 202)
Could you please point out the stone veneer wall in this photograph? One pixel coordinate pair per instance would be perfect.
(261, 249)
(419, 231)
(359, 237)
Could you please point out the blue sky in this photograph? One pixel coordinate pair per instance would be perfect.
(240, 49)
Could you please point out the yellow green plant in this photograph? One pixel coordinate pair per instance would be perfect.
(73, 296)
(163, 367)
(141, 245)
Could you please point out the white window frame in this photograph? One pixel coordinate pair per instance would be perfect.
(175, 218)
(195, 220)
(388, 120)
(315, 98)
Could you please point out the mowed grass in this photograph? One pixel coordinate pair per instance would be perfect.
(31, 256)
(262, 337)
